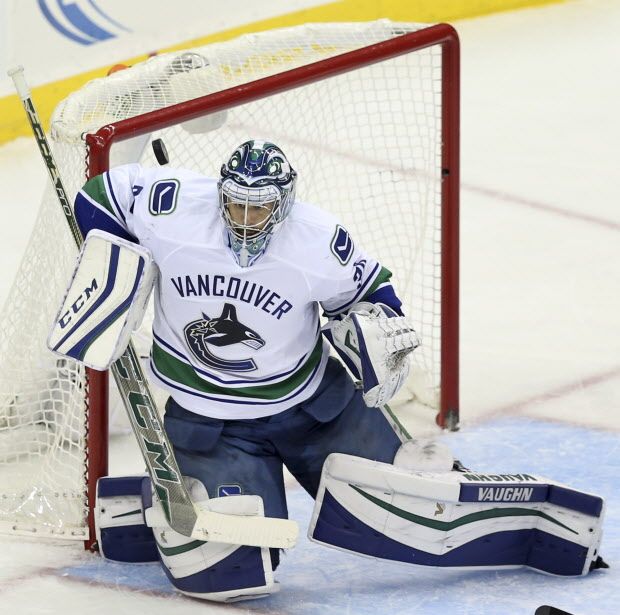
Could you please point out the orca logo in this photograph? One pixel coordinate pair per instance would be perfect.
(225, 330)
(81, 21)
(342, 245)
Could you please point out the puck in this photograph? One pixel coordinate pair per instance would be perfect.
(160, 151)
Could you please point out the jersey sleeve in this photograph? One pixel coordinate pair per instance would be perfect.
(106, 201)
(350, 275)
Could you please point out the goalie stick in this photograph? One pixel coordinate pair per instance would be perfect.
(181, 512)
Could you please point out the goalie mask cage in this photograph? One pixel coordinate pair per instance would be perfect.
(367, 113)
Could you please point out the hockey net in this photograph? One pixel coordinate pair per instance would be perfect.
(367, 114)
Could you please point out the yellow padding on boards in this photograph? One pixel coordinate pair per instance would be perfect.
(13, 122)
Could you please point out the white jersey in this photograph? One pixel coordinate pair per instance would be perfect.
(228, 341)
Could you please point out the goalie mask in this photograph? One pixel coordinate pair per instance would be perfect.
(256, 192)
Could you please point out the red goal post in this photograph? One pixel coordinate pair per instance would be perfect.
(364, 130)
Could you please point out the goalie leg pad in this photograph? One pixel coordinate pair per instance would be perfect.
(105, 301)
(213, 571)
(122, 534)
(456, 519)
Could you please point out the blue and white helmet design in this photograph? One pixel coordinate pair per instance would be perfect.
(256, 192)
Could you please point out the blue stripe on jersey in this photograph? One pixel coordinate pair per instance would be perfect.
(119, 211)
(90, 217)
(385, 294)
(212, 376)
(360, 291)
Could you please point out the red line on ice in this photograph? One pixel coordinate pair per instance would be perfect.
(504, 196)
(562, 391)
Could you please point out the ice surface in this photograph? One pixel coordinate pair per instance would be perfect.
(540, 334)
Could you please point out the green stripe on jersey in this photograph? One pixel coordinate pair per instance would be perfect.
(95, 189)
(173, 368)
(382, 277)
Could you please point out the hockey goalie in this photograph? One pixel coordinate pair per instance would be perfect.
(241, 272)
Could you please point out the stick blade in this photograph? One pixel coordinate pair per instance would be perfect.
(252, 531)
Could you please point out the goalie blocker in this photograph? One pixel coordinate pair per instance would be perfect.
(105, 301)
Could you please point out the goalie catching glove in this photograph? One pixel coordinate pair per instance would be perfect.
(375, 343)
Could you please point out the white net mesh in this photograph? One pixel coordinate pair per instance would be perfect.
(366, 145)
(42, 399)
